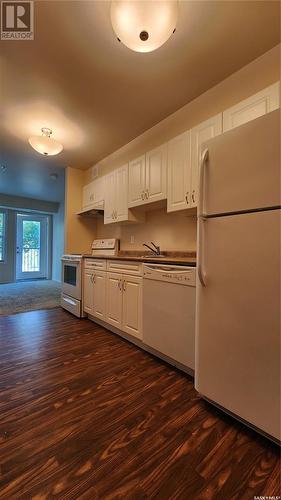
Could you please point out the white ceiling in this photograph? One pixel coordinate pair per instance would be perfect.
(96, 94)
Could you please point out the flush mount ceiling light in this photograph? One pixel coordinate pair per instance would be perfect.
(44, 144)
(144, 25)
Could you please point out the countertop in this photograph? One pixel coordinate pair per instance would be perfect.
(180, 258)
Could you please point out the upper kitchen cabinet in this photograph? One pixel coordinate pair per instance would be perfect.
(156, 174)
(257, 105)
(116, 197)
(148, 177)
(198, 135)
(179, 173)
(110, 198)
(136, 182)
(93, 194)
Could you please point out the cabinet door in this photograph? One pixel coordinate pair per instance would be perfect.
(257, 105)
(110, 197)
(114, 295)
(99, 295)
(88, 296)
(132, 306)
(98, 189)
(198, 135)
(156, 174)
(179, 164)
(121, 194)
(88, 195)
(136, 182)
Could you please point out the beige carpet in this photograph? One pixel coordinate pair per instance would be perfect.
(28, 296)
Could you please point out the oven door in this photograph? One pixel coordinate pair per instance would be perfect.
(71, 278)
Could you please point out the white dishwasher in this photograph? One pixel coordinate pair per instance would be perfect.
(169, 311)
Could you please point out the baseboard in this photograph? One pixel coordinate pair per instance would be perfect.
(143, 346)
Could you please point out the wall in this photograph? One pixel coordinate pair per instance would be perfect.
(79, 231)
(58, 242)
(173, 231)
(21, 203)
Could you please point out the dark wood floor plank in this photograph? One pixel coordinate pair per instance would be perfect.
(84, 414)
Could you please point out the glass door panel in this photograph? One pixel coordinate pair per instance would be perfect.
(32, 246)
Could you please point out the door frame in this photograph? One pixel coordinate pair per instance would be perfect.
(46, 274)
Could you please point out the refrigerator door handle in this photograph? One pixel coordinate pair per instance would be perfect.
(204, 158)
(200, 268)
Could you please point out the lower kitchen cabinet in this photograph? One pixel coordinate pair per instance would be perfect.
(94, 302)
(114, 297)
(99, 295)
(124, 303)
(132, 306)
(88, 289)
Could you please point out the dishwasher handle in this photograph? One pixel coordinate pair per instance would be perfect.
(161, 269)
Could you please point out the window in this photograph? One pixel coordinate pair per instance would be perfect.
(2, 236)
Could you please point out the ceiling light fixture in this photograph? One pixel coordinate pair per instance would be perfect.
(144, 25)
(45, 144)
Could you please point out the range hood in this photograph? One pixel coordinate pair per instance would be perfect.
(93, 210)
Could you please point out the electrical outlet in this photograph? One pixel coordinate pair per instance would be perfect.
(132, 239)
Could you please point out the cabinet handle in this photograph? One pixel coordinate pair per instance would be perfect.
(147, 194)
(124, 286)
(193, 196)
(115, 214)
(120, 285)
(186, 197)
(142, 195)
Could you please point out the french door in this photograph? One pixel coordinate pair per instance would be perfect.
(32, 246)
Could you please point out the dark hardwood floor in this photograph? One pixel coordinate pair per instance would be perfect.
(84, 414)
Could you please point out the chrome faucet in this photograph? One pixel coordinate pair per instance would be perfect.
(155, 250)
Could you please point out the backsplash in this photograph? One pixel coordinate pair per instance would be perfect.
(172, 231)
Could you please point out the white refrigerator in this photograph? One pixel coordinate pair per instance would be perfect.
(237, 363)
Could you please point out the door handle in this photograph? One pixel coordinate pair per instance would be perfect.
(204, 158)
(200, 254)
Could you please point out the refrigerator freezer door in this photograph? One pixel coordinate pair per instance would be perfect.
(237, 363)
(243, 168)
